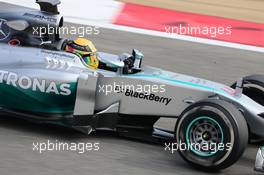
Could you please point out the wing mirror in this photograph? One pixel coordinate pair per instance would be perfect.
(239, 87)
(138, 58)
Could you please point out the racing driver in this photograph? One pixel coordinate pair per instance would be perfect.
(85, 49)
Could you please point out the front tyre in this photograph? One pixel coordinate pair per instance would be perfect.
(213, 134)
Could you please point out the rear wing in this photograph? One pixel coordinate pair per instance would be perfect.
(49, 6)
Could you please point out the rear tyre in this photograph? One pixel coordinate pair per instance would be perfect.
(215, 134)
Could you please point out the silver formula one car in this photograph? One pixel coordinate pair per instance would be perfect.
(48, 85)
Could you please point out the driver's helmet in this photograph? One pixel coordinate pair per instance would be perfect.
(85, 49)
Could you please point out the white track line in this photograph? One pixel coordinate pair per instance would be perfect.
(100, 13)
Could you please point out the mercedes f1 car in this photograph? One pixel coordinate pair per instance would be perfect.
(47, 85)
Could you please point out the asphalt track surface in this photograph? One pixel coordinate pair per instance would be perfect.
(118, 155)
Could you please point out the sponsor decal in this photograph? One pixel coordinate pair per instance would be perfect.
(58, 54)
(41, 17)
(34, 84)
(4, 30)
(229, 90)
(145, 96)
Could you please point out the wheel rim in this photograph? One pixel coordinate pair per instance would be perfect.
(204, 131)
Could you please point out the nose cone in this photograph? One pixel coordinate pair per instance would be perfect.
(259, 164)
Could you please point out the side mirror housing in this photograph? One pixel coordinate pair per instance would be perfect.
(239, 87)
(138, 56)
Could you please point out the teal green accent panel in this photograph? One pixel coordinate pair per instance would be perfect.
(16, 98)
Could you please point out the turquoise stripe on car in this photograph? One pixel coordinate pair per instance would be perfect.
(179, 82)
